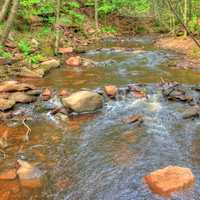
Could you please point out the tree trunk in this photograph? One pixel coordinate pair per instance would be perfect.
(10, 21)
(57, 39)
(96, 15)
(4, 9)
(185, 16)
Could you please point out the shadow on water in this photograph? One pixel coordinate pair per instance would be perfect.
(98, 157)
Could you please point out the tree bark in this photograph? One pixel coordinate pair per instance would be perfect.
(4, 9)
(57, 39)
(10, 21)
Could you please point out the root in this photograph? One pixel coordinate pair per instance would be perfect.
(27, 136)
(4, 154)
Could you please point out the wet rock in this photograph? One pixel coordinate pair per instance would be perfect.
(85, 62)
(13, 86)
(83, 101)
(34, 92)
(133, 119)
(74, 61)
(61, 117)
(176, 94)
(65, 50)
(27, 170)
(21, 97)
(26, 72)
(139, 94)
(64, 93)
(46, 94)
(170, 179)
(9, 174)
(191, 112)
(6, 104)
(111, 90)
(46, 66)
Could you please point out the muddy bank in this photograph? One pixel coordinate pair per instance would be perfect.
(185, 47)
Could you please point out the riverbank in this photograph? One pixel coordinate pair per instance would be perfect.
(185, 47)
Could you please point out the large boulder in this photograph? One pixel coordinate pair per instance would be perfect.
(83, 101)
(170, 179)
(6, 104)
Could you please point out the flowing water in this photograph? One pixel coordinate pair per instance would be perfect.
(97, 156)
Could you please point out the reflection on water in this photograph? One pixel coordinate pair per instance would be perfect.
(98, 157)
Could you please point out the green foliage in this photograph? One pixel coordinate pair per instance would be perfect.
(108, 29)
(24, 47)
(35, 58)
(193, 25)
(4, 53)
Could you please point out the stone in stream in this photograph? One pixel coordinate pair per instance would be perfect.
(74, 61)
(133, 119)
(21, 97)
(191, 112)
(46, 94)
(46, 66)
(6, 104)
(64, 93)
(111, 90)
(170, 179)
(83, 101)
(13, 86)
(65, 50)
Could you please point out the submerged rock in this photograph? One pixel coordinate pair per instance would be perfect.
(191, 112)
(6, 104)
(111, 90)
(83, 101)
(133, 119)
(74, 61)
(170, 179)
(46, 94)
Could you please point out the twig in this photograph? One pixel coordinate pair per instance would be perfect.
(28, 130)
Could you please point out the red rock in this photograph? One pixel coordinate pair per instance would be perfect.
(65, 50)
(170, 179)
(46, 94)
(64, 93)
(9, 174)
(139, 94)
(111, 90)
(133, 119)
(74, 61)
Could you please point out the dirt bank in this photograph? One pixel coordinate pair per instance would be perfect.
(185, 47)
